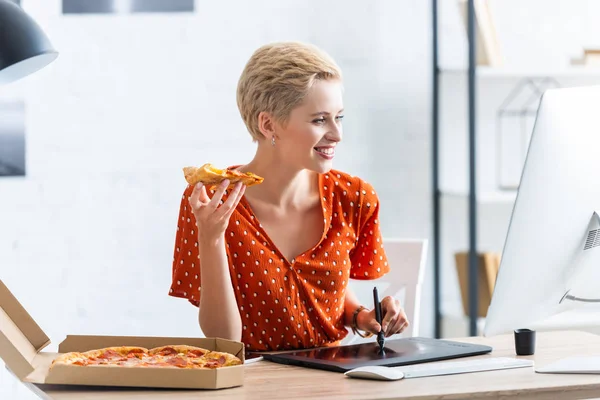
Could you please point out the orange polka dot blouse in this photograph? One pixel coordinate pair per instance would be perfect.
(299, 303)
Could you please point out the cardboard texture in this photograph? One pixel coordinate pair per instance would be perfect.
(21, 342)
(20, 337)
(488, 270)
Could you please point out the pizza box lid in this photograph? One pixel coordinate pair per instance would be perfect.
(21, 342)
(21, 338)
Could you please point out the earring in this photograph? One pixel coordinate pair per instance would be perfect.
(272, 140)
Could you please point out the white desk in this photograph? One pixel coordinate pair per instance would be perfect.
(265, 380)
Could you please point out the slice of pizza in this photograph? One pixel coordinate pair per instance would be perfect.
(178, 356)
(218, 359)
(122, 355)
(211, 176)
(72, 358)
(119, 353)
(181, 350)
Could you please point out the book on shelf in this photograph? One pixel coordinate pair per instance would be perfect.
(591, 57)
(489, 262)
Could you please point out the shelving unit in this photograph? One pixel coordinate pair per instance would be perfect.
(471, 76)
(489, 72)
(486, 197)
(472, 191)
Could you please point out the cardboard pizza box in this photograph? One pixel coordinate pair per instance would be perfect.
(22, 342)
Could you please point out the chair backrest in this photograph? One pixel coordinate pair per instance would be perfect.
(407, 259)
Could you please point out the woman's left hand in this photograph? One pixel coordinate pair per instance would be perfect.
(393, 318)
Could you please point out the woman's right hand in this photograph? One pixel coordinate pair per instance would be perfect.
(211, 218)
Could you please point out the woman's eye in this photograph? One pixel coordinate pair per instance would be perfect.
(323, 120)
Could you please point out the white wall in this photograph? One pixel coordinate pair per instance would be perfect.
(88, 234)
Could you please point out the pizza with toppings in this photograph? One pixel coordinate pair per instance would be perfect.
(174, 356)
(211, 176)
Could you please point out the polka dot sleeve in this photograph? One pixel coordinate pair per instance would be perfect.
(368, 259)
(186, 263)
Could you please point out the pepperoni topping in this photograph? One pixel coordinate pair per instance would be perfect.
(109, 354)
(167, 351)
(212, 364)
(176, 362)
(195, 353)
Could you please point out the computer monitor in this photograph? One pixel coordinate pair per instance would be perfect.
(551, 257)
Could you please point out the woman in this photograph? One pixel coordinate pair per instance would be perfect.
(269, 265)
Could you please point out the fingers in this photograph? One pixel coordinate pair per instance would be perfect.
(394, 320)
(394, 327)
(390, 312)
(199, 197)
(204, 199)
(373, 326)
(234, 198)
(241, 194)
(399, 326)
(196, 198)
(403, 322)
(216, 199)
(367, 322)
(239, 197)
(404, 326)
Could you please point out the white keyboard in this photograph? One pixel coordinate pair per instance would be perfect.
(461, 367)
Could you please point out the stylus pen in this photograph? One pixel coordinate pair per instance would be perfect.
(380, 335)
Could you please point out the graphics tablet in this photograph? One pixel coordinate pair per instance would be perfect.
(397, 352)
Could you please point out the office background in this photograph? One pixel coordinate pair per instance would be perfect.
(133, 97)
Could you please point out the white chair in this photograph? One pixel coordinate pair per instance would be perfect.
(407, 259)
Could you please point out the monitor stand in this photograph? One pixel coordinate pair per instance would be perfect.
(581, 287)
(573, 365)
(582, 279)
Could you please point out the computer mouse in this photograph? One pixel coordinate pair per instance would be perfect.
(375, 372)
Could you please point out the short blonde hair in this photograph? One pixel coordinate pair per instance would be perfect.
(277, 78)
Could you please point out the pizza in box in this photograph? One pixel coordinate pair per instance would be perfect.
(175, 356)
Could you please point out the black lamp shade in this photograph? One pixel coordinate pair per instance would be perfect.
(24, 47)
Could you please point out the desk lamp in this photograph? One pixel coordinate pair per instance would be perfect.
(24, 47)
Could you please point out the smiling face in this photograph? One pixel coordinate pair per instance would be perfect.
(307, 140)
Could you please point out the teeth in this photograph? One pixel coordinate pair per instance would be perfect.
(327, 150)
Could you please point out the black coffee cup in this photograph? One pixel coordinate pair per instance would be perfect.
(524, 342)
